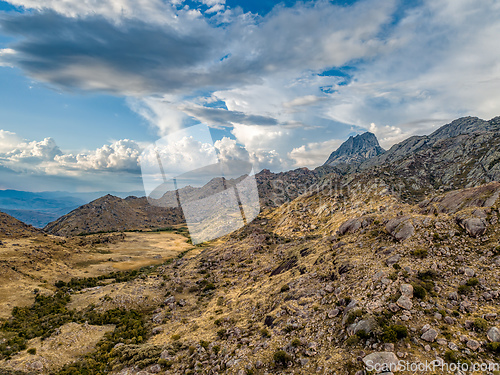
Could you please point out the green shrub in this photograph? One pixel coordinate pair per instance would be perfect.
(493, 347)
(464, 289)
(175, 337)
(480, 324)
(32, 351)
(296, 342)
(419, 291)
(281, 358)
(284, 288)
(222, 333)
(351, 318)
(420, 253)
(450, 356)
(472, 282)
(265, 333)
(352, 340)
(216, 349)
(204, 344)
(394, 332)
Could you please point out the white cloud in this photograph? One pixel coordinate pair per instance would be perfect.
(120, 155)
(313, 154)
(116, 10)
(8, 140)
(33, 152)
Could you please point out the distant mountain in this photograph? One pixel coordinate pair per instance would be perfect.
(11, 227)
(110, 213)
(356, 150)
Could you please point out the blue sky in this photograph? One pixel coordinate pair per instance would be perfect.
(86, 86)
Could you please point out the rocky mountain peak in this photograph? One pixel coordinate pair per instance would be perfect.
(356, 150)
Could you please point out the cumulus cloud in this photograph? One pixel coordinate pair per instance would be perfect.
(313, 154)
(45, 156)
(8, 141)
(120, 155)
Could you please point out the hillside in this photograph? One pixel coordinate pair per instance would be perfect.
(464, 153)
(11, 227)
(110, 213)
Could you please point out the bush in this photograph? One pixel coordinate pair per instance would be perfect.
(284, 288)
(394, 332)
(420, 253)
(176, 337)
(281, 358)
(464, 289)
(296, 342)
(265, 333)
(480, 324)
(32, 351)
(419, 291)
(351, 318)
(472, 282)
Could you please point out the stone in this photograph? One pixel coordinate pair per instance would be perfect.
(448, 320)
(389, 347)
(400, 228)
(392, 260)
(442, 342)
(366, 325)
(405, 303)
(469, 272)
(429, 335)
(452, 346)
(333, 313)
(474, 226)
(493, 334)
(385, 361)
(407, 290)
(453, 296)
(425, 328)
(155, 369)
(350, 226)
(473, 345)
(157, 330)
(393, 307)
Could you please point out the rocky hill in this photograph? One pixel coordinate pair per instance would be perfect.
(463, 153)
(356, 150)
(110, 213)
(11, 227)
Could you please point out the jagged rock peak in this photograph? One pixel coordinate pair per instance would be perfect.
(356, 150)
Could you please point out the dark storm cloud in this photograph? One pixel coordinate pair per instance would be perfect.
(91, 53)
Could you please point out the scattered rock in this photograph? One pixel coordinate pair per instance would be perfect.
(405, 303)
(385, 361)
(493, 334)
(473, 345)
(400, 228)
(407, 290)
(429, 335)
(350, 226)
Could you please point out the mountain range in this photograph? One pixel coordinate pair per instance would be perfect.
(381, 257)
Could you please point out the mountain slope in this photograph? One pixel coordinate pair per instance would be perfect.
(11, 227)
(110, 213)
(463, 153)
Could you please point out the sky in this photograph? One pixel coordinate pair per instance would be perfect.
(87, 86)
